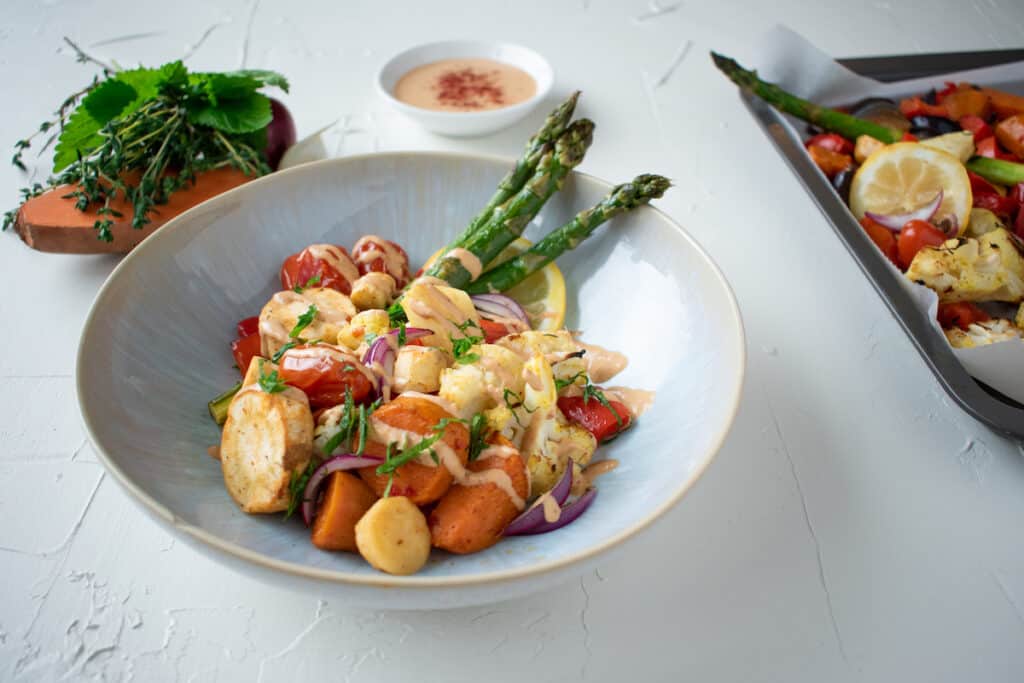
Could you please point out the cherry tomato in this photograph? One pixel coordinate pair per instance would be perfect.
(990, 148)
(976, 125)
(1004, 207)
(493, 331)
(324, 374)
(979, 184)
(244, 349)
(248, 326)
(915, 236)
(593, 416)
(960, 314)
(882, 237)
(833, 142)
(300, 268)
(379, 265)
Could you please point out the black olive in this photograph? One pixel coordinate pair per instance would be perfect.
(931, 126)
(841, 182)
(930, 97)
(882, 111)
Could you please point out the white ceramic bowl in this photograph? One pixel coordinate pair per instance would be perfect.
(155, 348)
(467, 123)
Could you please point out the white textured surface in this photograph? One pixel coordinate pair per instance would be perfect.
(856, 526)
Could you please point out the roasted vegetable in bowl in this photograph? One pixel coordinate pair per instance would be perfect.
(399, 413)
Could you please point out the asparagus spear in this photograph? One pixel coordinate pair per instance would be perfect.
(997, 171)
(510, 219)
(219, 406)
(836, 121)
(536, 146)
(622, 198)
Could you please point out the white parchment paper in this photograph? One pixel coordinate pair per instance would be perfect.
(787, 58)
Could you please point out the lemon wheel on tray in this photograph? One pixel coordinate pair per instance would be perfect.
(905, 176)
(542, 294)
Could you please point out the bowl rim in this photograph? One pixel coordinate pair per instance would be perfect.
(236, 551)
(543, 89)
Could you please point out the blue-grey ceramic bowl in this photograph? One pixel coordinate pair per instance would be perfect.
(155, 349)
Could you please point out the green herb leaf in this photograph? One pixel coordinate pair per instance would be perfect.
(391, 464)
(265, 77)
(272, 383)
(297, 487)
(304, 321)
(311, 282)
(239, 115)
(590, 391)
(396, 314)
(345, 426)
(478, 433)
(401, 335)
(276, 358)
(172, 75)
(564, 382)
(81, 134)
(461, 348)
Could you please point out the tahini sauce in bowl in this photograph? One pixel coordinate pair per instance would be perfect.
(463, 85)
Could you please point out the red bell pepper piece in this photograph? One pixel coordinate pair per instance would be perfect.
(978, 126)
(248, 326)
(990, 148)
(593, 416)
(909, 137)
(883, 238)
(915, 106)
(951, 87)
(1004, 207)
(493, 331)
(979, 184)
(961, 314)
(833, 142)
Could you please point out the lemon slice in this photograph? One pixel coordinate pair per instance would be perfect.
(542, 294)
(905, 176)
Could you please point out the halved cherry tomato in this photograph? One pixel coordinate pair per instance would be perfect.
(833, 142)
(976, 125)
(379, 264)
(915, 236)
(493, 331)
(244, 349)
(881, 236)
(324, 374)
(248, 326)
(1004, 207)
(979, 184)
(298, 269)
(593, 416)
(960, 314)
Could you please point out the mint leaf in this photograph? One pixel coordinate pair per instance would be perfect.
(145, 82)
(268, 78)
(242, 115)
(219, 87)
(173, 74)
(105, 102)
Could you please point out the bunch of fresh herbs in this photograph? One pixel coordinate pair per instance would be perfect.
(143, 134)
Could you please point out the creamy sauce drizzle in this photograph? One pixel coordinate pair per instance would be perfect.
(377, 247)
(432, 304)
(380, 284)
(602, 364)
(322, 350)
(402, 438)
(289, 392)
(637, 400)
(335, 258)
(274, 334)
(445, 404)
(468, 260)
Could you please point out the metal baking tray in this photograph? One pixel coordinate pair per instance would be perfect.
(999, 412)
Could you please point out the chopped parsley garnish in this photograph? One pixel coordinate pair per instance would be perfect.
(478, 433)
(396, 314)
(353, 426)
(304, 321)
(401, 334)
(272, 383)
(276, 358)
(512, 404)
(311, 282)
(461, 348)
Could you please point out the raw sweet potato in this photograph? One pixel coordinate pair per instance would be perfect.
(422, 484)
(50, 222)
(345, 500)
(471, 518)
(966, 101)
(1010, 133)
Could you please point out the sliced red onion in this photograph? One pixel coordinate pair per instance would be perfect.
(499, 306)
(336, 464)
(534, 515)
(381, 351)
(896, 221)
(569, 514)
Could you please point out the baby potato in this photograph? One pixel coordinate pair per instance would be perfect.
(418, 368)
(281, 314)
(393, 536)
(373, 291)
(266, 438)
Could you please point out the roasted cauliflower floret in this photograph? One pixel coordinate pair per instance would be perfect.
(554, 346)
(990, 268)
(373, 290)
(418, 368)
(493, 377)
(983, 333)
(549, 443)
(284, 310)
(363, 325)
(982, 222)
